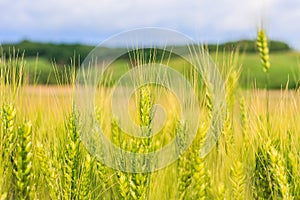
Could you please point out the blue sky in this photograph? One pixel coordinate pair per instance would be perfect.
(92, 21)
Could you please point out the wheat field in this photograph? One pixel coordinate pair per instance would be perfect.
(42, 155)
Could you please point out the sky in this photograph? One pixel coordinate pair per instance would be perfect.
(92, 21)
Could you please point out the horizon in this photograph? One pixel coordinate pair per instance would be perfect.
(95, 45)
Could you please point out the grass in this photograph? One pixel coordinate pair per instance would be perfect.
(285, 67)
(42, 156)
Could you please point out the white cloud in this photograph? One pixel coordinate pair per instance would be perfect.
(84, 19)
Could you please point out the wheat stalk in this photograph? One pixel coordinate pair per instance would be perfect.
(262, 174)
(262, 45)
(102, 174)
(238, 181)
(8, 136)
(8, 142)
(244, 119)
(199, 185)
(85, 182)
(184, 163)
(23, 162)
(139, 183)
(227, 132)
(294, 174)
(124, 186)
(221, 190)
(49, 171)
(279, 173)
(71, 160)
(199, 179)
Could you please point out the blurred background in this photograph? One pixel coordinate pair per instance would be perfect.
(55, 31)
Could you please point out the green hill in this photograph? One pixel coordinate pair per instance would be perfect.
(61, 53)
